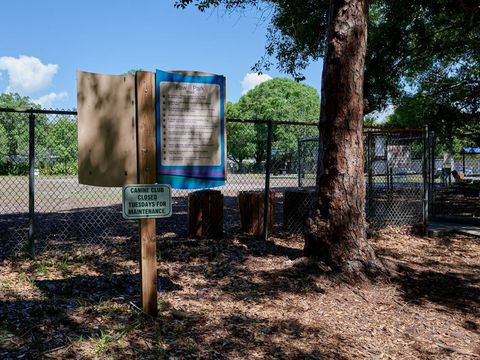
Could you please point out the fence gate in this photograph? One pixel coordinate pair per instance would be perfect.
(396, 172)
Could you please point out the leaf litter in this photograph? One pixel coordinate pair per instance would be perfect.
(243, 298)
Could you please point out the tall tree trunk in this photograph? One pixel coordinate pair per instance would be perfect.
(337, 229)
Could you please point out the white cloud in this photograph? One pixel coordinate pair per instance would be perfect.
(47, 101)
(253, 79)
(27, 74)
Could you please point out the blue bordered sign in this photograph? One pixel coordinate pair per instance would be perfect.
(190, 129)
(146, 201)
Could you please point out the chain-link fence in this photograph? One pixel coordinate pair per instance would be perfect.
(299, 201)
(42, 203)
(396, 169)
(396, 175)
(247, 155)
(14, 188)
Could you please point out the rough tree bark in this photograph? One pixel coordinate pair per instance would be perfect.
(336, 231)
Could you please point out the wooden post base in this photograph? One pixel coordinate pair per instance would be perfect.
(296, 208)
(251, 205)
(205, 214)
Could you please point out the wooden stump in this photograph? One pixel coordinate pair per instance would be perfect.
(205, 214)
(251, 205)
(296, 208)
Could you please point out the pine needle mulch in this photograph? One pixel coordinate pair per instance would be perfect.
(241, 298)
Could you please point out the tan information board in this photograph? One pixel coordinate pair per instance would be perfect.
(107, 145)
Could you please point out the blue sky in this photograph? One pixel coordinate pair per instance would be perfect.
(45, 42)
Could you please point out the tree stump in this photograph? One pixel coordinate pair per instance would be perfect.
(296, 208)
(251, 205)
(205, 214)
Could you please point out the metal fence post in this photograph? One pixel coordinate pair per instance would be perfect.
(31, 183)
(432, 183)
(425, 178)
(299, 165)
(431, 179)
(369, 174)
(266, 202)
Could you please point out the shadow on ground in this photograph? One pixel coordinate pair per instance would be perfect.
(102, 310)
(59, 317)
(79, 228)
(457, 291)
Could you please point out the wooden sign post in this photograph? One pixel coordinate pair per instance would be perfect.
(146, 152)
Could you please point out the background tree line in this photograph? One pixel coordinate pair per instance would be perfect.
(55, 140)
(276, 100)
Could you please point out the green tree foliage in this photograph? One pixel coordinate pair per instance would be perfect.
(437, 55)
(240, 138)
(447, 100)
(412, 42)
(15, 125)
(453, 128)
(15, 158)
(277, 100)
(3, 145)
(408, 42)
(55, 141)
(62, 145)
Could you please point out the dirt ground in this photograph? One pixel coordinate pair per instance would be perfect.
(241, 298)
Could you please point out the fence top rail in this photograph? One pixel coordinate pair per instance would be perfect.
(382, 129)
(308, 139)
(73, 112)
(274, 122)
(372, 128)
(39, 111)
